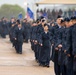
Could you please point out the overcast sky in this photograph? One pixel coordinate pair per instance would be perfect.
(19, 2)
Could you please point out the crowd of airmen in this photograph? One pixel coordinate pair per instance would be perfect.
(54, 41)
(57, 42)
(18, 31)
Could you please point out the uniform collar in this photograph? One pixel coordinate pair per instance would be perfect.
(59, 26)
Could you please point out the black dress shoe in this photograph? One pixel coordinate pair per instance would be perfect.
(37, 61)
(47, 66)
(17, 52)
(20, 52)
(40, 64)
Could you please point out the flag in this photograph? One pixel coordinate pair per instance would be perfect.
(45, 14)
(30, 14)
(20, 16)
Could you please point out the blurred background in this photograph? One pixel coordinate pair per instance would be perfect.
(31, 10)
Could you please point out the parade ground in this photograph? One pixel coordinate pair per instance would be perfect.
(16, 64)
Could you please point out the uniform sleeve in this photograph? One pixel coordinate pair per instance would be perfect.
(68, 41)
(40, 38)
(15, 33)
(74, 41)
(31, 33)
(38, 35)
(53, 35)
(59, 38)
(64, 39)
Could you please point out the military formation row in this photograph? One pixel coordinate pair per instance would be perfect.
(56, 42)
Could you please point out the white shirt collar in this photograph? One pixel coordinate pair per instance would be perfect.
(46, 32)
(59, 26)
(19, 28)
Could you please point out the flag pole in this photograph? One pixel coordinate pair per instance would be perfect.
(26, 5)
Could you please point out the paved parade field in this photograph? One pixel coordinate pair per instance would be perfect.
(16, 64)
